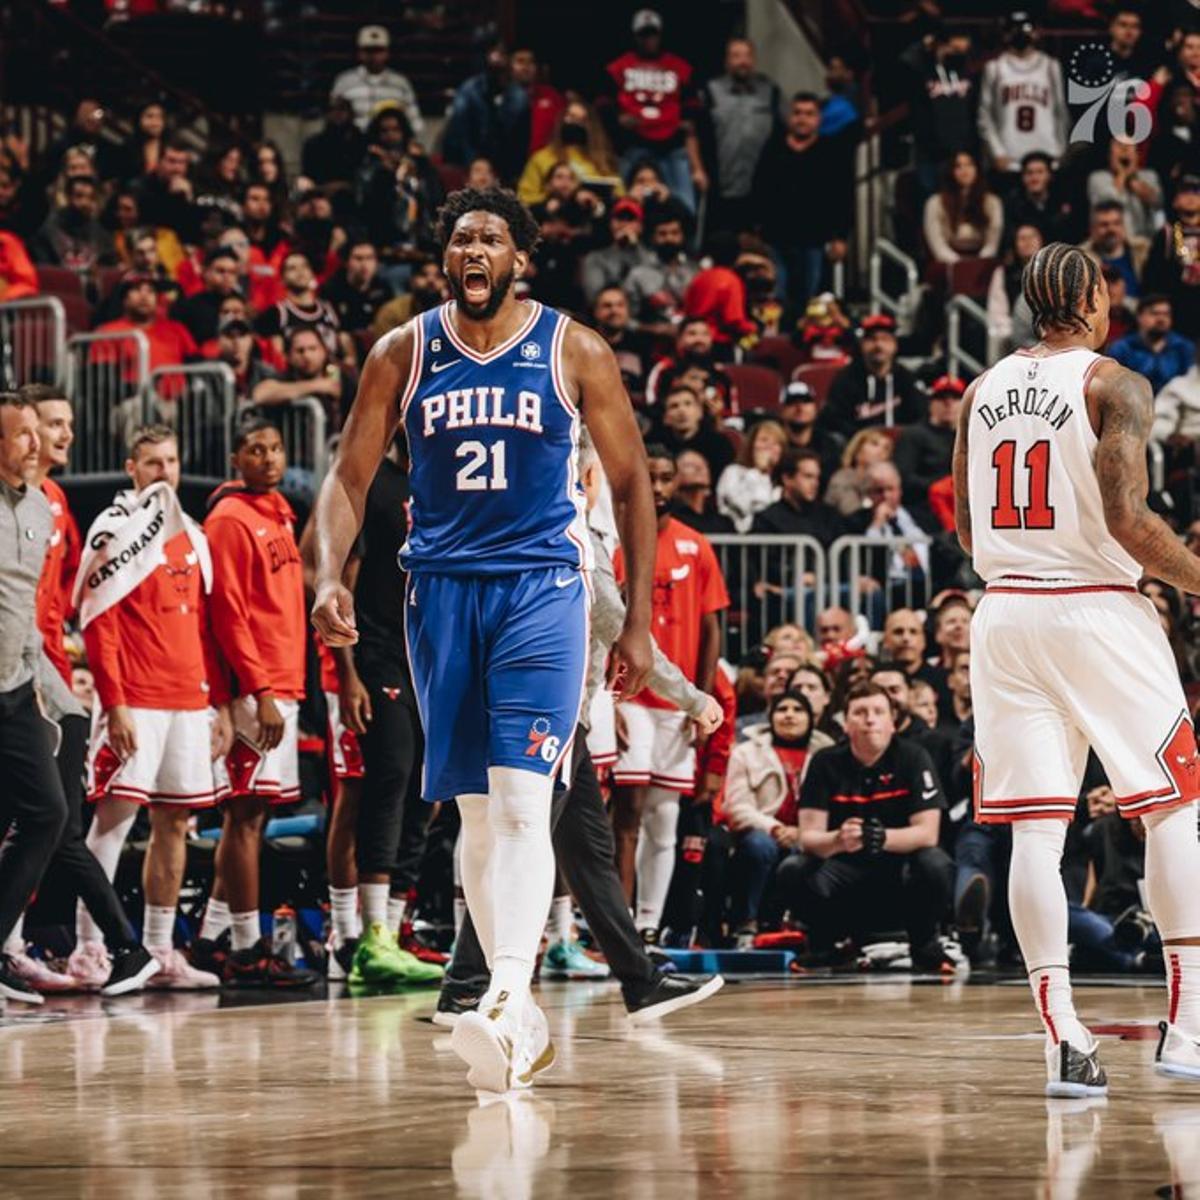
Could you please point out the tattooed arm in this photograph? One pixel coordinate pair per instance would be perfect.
(1124, 405)
(962, 499)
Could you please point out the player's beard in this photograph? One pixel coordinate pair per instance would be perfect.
(482, 312)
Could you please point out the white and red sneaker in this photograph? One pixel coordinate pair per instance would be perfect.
(1178, 1055)
(40, 976)
(90, 966)
(176, 974)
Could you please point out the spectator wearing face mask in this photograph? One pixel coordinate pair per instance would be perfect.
(579, 140)
(426, 290)
(656, 290)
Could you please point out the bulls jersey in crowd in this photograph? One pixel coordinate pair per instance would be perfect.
(1022, 107)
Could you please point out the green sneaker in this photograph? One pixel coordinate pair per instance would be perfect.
(379, 962)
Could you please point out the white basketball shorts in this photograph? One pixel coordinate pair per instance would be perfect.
(1056, 669)
(345, 757)
(272, 775)
(171, 765)
(661, 749)
(602, 728)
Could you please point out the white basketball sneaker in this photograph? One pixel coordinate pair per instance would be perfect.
(1177, 1055)
(1072, 1072)
(176, 974)
(488, 1041)
(536, 1051)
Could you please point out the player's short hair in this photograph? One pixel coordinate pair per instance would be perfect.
(151, 435)
(249, 427)
(15, 400)
(500, 201)
(37, 393)
(790, 460)
(1057, 283)
(806, 98)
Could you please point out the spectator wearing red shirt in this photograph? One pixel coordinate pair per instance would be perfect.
(18, 276)
(546, 103)
(717, 295)
(654, 93)
(659, 759)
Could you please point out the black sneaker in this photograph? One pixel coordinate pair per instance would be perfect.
(257, 967)
(13, 987)
(1072, 1073)
(939, 957)
(451, 1005)
(970, 913)
(669, 994)
(131, 967)
(209, 954)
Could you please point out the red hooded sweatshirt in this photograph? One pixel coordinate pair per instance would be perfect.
(257, 600)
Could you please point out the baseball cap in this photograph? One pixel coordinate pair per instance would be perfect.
(373, 37)
(132, 279)
(234, 324)
(878, 323)
(646, 19)
(627, 207)
(947, 385)
(797, 392)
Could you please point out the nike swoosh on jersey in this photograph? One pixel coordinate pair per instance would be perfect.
(681, 573)
(562, 583)
(434, 368)
(929, 795)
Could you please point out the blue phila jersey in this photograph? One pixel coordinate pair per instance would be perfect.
(493, 441)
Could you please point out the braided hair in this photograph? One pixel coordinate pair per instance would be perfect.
(1058, 282)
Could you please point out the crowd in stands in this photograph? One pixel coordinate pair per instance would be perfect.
(701, 226)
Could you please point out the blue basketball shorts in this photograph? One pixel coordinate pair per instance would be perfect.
(498, 665)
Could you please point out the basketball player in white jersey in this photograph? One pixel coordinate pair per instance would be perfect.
(1050, 497)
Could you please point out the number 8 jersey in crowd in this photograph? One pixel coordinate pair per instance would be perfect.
(493, 440)
(1036, 508)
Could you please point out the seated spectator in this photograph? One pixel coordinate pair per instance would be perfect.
(164, 195)
(372, 82)
(357, 291)
(904, 569)
(958, 681)
(1171, 266)
(302, 308)
(257, 279)
(748, 485)
(762, 790)
(237, 347)
(1175, 150)
(873, 859)
(656, 290)
(261, 221)
(912, 725)
(145, 147)
(1136, 188)
(18, 275)
(578, 140)
(684, 425)
(825, 334)
(813, 683)
(923, 451)
(1110, 244)
(693, 503)
(790, 636)
(199, 312)
(316, 234)
(220, 182)
(1177, 408)
(489, 118)
(766, 307)
(717, 294)
(693, 349)
(848, 489)
(904, 644)
(649, 189)
(150, 251)
(171, 343)
(310, 372)
(799, 509)
(1008, 312)
(332, 154)
(964, 219)
(924, 701)
(1034, 201)
(610, 267)
(427, 289)
(567, 219)
(875, 389)
(235, 308)
(1155, 349)
(611, 319)
(72, 236)
(1122, 311)
(267, 167)
(951, 636)
(20, 208)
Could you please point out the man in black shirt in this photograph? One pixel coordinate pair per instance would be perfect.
(874, 389)
(356, 291)
(870, 812)
(201, 313)
(923, 451)
(799, 509)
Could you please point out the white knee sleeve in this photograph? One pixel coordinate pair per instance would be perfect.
(110, 826)
(1037, 899)
(655, 853)
(474, 859)
(1173, 872)
(660, 817)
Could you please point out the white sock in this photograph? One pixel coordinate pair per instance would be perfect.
(655, 854)
(247, 929)
(522, 876)
(15, 942)
(158, 927)
(460, 914)
(343, 908)
(561, 919)
(475, 864)
(374, 897)
(397, 906)
(1183, 988)
(1037, 902)
(217, 919)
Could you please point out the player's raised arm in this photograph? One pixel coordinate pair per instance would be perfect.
(962, 497)
(609, 418)
(339, 509)
(1124, 404)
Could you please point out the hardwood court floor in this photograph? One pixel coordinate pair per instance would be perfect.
(857, 1089)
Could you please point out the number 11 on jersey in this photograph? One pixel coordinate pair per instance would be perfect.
(1037, 513)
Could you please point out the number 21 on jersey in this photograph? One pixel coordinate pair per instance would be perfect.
(475, 475)
(1037, 512)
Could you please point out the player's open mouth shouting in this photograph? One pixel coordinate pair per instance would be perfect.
(476, 285)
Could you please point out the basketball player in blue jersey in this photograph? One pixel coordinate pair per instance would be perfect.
(491, 391)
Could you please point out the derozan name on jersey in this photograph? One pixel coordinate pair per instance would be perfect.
(1031, 402)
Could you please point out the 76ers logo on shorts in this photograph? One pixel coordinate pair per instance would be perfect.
(541, 744)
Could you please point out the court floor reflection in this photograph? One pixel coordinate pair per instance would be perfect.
(838, 1090)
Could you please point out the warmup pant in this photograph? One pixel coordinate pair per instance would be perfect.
(860, 893)
(583, 847)
(31, 799)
